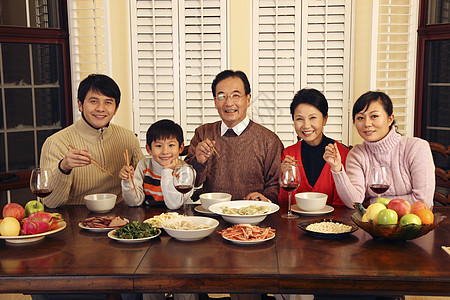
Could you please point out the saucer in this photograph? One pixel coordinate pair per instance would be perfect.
(202, 210)
(327, 209)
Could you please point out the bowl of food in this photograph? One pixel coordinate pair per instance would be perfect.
(244, 211)
(395, 231)
(190, 228)
(311, 201)
(209, 199)
(100, 203)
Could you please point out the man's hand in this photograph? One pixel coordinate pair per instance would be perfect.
(75, 158)
(255, 196)
(203, 151)
(127, 172)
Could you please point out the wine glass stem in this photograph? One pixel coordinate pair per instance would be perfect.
(289, 204)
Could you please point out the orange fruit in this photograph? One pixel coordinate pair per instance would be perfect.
(425, 215)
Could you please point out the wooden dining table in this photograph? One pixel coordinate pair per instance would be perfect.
(77, 260)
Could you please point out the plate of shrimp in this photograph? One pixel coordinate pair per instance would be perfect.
(247, 234)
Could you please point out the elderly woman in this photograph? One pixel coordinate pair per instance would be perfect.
(309, 110)
(409, 159)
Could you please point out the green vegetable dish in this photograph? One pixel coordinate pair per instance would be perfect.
(136, 230)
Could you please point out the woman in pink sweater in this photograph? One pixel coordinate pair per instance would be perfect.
(409, 158)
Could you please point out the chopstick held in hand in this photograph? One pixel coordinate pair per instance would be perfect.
(127, 161)
(96, 163)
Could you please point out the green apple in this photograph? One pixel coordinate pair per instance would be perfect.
(410, 219)
(383, 201)
(33, 206)
(387, 217)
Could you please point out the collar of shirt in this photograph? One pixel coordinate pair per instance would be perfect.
(238, 129)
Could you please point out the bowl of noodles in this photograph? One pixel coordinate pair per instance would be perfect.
(244, 211)
(190, 228)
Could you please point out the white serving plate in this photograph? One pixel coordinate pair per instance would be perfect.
(202, 210)
(243, 219)
(254, 242)
(326, 210)
(93, 229)
(131, 241)
(191, 235)
(24, 239)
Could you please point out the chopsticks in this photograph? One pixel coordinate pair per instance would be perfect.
(214, 150)
(130, 180)
(96, 163)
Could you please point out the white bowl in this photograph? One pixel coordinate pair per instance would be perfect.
(190, 235)
(209, 199)
(246, 219)
(100, 203)
(311, 201)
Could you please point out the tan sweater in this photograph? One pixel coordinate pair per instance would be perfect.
(248, 163)
(106, 145)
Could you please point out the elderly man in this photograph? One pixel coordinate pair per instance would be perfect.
(69, 153)
(250, 155)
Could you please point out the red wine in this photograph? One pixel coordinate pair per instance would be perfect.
(42, 193)
(183, 188)
(379, 188)
(290, 187)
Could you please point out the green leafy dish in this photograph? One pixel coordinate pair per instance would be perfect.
(134, 232)
(396, 232)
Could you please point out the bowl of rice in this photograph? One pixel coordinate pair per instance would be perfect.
(190, 228)
(328, 228)
(244, 211)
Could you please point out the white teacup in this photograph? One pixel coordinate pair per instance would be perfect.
(209, 199)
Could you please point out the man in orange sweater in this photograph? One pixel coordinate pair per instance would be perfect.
(250, 154)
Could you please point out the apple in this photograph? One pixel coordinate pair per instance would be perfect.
(410, 219)
(14, 210)
(387, 217)
(373, 210)
(383, 201)
(416, 206)
(33, 206)
(401, 207)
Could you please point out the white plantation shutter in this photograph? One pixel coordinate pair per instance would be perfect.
(301, 44)
(178, 48)
(203, 41)
(394, 43)
(155, 62)
(326, 33)
(89, 42)
(276, 64)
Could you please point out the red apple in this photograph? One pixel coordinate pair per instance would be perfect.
(14, 210)
(401, 207)
(416, 206)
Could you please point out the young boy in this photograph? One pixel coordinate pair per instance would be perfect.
(153, 176)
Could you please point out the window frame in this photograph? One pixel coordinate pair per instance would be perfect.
(59, 36)
(433, 32)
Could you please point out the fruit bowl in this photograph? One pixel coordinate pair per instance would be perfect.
(396, 232)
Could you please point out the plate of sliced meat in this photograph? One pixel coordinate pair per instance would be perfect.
(102, 224)
(247, 234)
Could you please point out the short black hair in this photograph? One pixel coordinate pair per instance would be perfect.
(364, 101)
(227, 74)
(312, 97)
(101, 84)
(164, 129)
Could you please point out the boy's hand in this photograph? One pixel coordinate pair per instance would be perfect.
(203, 151)
(175, 162)
(126, 172)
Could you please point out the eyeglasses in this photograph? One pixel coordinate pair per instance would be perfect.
(223, 97)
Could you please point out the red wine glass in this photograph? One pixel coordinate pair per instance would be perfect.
(183, 180)
(289, 181)
(380, 178)
(40, 184)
